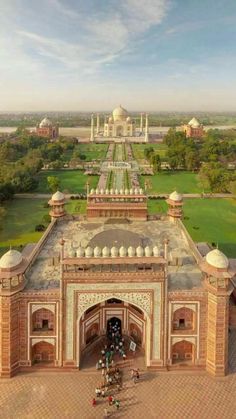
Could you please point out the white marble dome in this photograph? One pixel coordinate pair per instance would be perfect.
(71, 252)
(156, 251)
(58, 196)
(131, 251)
(217, 259)
(10, 259)
(110, 119)
(128, 119)
(139, 251)
(122, 251)
(148, 251)
(105, 252)
(97, 252)
(80, 252)
(114, 252)
(194, 123)
(45, 123)
(119, 114)
(175, 196)
(88, 252)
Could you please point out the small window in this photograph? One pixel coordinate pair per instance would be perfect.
(181, 323)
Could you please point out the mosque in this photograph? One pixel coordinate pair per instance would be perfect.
(174, 298)
(193, 129)
(47, 129)
(119, 127)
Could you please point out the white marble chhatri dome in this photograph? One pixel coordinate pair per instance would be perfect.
(194, 123)
(58, 196)
(119, 114)
(175, 196)
(10, 259)
(217, 259)
(45, 123)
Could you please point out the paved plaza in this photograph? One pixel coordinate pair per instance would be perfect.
(157, 395)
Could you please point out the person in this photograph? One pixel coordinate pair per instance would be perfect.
(103, 393)
(124, 356)
(137, 374)
(117, 404)
(110, 400)
(106, 413)
(94, 402)
(98, 392)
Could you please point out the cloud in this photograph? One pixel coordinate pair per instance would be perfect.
(102, 36)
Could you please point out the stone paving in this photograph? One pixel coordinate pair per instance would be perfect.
(157, 395)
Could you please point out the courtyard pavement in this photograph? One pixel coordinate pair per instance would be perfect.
(157, 395)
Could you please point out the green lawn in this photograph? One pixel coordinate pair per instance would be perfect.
(72, 181)
(157, 206)
(138, 150)
(168, 181)
(18, 226)
(210, 220)
(93, 151)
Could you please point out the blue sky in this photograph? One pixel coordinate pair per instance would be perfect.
(94, 54)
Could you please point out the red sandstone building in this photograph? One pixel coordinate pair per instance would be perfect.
(58, 296)
(194, 129)
(47, 129)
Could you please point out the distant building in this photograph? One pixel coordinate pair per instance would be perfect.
(47, 129)
(194, 129)
(120, 125)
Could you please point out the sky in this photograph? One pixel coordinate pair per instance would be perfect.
(91, 55)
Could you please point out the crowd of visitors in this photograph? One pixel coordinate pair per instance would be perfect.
(112, 352)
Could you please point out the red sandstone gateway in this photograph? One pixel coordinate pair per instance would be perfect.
(58, 296)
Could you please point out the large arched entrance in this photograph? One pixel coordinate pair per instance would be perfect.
(109, 319)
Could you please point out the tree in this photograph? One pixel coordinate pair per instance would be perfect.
(53, 183)
(214, 177)
(148, 152)
(192, 160)
(156, 163)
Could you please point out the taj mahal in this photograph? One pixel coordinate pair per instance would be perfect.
(119, 127)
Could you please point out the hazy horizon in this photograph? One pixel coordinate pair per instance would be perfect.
(154, 55)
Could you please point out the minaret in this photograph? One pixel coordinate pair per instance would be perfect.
(92, 129)
(141, 123)
(146, 130)
(98, 124)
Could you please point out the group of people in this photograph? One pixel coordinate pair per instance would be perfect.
(111, 374)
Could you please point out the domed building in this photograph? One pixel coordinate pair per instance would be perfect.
(174, 300)
(194, 129)
(47, 129)
(120, 125)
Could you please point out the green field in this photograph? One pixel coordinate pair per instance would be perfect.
(168, 181)
(72, 181)
(93, 151)
(138, 150)
(22, 215)
(209, 220)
